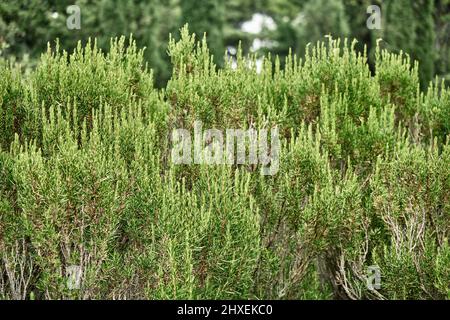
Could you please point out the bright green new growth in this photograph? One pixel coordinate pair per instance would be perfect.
(86, 178)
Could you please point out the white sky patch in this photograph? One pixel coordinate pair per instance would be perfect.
(257, 23)
(262, 43)
(54, 15)
(257, 44)
(299, 19)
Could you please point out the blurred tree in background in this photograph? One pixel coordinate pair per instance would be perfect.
(424, 50)
(399, 25)
(442, 46)
(25, 26)
(410, 26)
(420, 28)
(207, 17)
(303, 22)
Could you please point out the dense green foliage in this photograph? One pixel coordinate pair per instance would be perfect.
(86, 178)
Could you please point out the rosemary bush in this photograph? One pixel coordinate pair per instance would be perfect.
(86, 178)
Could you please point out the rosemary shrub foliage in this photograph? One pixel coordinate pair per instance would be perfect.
(12, 112)
(86, 178)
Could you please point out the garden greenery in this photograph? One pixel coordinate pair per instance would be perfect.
(86, 178)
